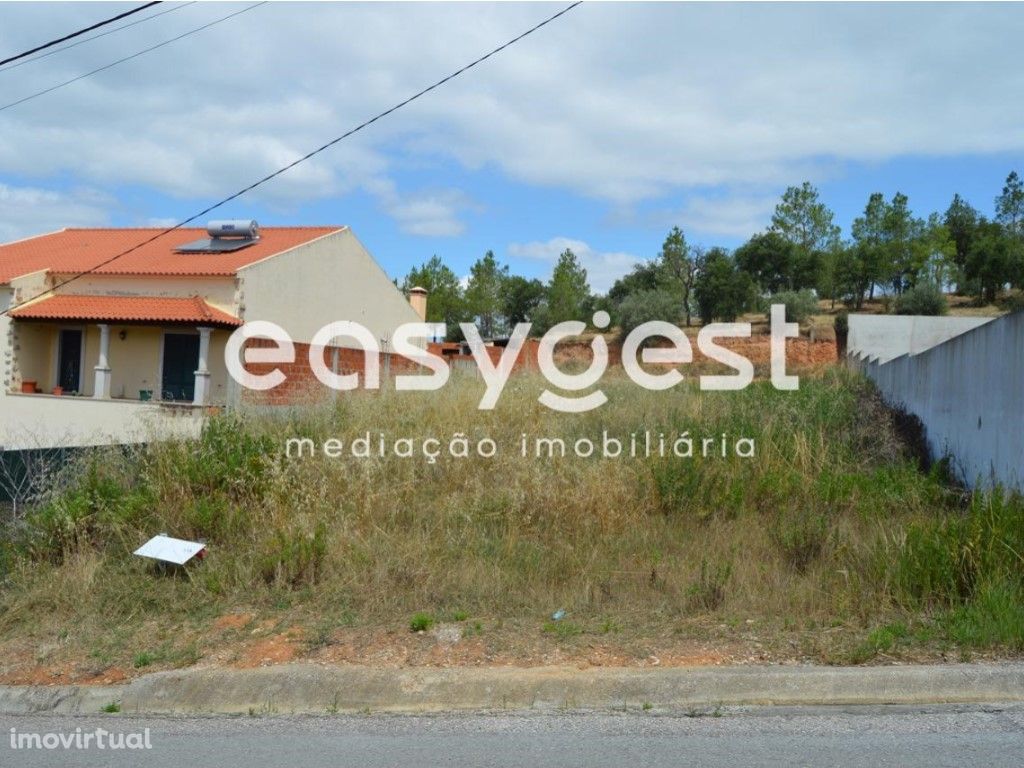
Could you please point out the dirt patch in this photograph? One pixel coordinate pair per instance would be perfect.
(232, 621)
(276, 649)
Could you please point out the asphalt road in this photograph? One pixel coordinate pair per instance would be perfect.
(870, 736)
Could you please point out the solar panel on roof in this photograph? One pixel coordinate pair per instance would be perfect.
(215, 245)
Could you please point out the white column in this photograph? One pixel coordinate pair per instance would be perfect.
(203, 372)
(102, 388)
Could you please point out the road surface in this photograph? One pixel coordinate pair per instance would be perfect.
(868, 736)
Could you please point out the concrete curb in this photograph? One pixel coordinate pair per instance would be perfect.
(306, 688)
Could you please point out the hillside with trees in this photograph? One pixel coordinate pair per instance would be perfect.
(910, 261)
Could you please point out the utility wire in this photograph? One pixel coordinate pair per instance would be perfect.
(135, 55)
(302, 159)
(97, 37)
(59, 40)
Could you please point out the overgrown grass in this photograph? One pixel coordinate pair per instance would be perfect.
(829, 524)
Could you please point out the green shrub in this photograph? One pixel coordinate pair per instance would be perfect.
(143, 659)
(944, 562)
(995, 618)
(100, 503)
(1014, 302)
(923, 299)
(563, 630)
(421, 622)
(801, 538)
(294, 555)
(707, 592)
(230, 457)
(842, 324)
(800, 305)
(645, 306)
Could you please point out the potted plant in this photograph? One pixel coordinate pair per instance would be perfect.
(28, 386)
(58, 390)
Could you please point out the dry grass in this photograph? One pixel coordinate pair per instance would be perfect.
(796, 540)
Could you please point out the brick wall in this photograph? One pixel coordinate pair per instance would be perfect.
(302, 386)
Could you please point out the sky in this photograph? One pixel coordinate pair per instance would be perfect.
(598, 133)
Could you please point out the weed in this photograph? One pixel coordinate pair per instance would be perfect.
(142, 659)
(610, 626)
(112, 708)
(707, 592)
(421, 622)
(562, 630)
(800, 537)
(832, 522)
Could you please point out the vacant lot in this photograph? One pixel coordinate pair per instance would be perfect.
(830, 544)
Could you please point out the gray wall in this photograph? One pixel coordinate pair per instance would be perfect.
(969, 393)
(884, 337)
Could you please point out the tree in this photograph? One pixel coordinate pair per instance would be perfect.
(648, 305)
(870, 256)
(445, 301)
(643, 277)
(833, 272)
(936, 255)
(522, 297)
(1010, 213)
(993, 260)
(769, 258)
(901, 234)
(485, 293)
(962, 222)
(1010, 206)
(567, 293)
(677, 268)
(806, 222)
(722, 291)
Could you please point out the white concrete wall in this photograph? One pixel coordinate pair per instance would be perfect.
(884, 337)
(220, 292)
(333, 278)
(969, 394)
(44, 421)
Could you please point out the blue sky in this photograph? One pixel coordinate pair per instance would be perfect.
(599, 132)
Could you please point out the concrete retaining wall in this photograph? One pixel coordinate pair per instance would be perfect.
(885, 337)
(969, 393)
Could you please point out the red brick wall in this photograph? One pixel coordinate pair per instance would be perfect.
(302, 386)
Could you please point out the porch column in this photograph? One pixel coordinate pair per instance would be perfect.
(202, 396)
(102, 388)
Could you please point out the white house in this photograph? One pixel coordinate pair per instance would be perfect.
(136, 344)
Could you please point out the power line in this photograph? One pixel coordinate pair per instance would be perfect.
(59, 40)
(302, 159)
(135, 55)
(97, 37)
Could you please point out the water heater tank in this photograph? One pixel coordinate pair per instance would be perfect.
(247, 228)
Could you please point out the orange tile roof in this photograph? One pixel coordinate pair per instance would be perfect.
(126, 309)
(76, 250)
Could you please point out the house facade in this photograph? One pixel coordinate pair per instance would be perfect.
(142, 336)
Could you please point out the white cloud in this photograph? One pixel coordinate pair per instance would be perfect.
(620, 102)
(426, 213)
(725, 215)
(603, 267)
(26, 211)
